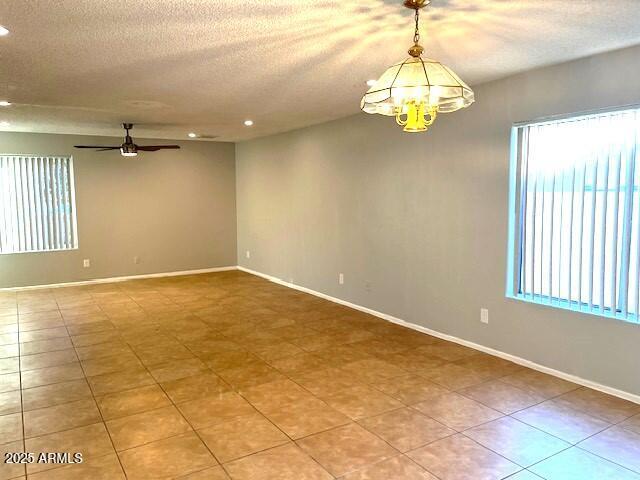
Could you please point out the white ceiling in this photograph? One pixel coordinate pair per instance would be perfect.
(175, 66)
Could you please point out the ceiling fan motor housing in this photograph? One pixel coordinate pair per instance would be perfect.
(128, 150)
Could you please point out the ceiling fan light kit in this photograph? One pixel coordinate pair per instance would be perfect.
(128, 147)
(417, 89)
(128, 150)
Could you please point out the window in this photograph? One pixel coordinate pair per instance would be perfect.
(575, 214)
(37, 205)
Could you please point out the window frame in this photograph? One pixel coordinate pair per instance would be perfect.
(72, 198)
(514, 215)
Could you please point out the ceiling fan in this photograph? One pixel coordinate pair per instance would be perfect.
(128, 148)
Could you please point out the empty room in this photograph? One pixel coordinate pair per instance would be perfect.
(292, 240)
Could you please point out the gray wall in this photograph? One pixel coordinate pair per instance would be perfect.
(418, 222)
(174, 209)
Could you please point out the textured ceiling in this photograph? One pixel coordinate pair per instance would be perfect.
(175, 66)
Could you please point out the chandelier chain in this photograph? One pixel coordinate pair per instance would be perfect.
(416, 35)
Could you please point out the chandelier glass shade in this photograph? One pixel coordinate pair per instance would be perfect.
(416, 90)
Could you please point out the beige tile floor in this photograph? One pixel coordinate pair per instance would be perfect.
(226, 375)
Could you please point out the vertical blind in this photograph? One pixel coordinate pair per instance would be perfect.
(37, 207)
(578, 214)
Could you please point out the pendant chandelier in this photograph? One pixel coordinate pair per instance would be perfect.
(416, 90)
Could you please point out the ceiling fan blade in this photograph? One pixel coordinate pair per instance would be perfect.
(96, 146)
(108, 148)
(154, 148)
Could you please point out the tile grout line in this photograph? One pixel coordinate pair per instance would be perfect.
(355, 421)
(461, 432)
(104, 423)
(571, 444)
(606, 459)
(295, 441)
(238, 392)
(262, 415)
(351, 422)
(286, 376)
(332, 428)
(59, 466)
(172, 403)
(24, 439)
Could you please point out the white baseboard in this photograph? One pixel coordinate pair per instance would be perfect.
(497, 353)
(121, 279)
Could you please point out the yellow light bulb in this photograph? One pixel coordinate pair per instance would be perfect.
(415, 118)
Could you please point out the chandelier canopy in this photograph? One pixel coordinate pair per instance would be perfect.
(416, 89)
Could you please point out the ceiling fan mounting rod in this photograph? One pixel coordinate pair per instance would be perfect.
(127, 137)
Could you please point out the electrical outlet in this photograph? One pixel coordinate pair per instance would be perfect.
(86, 263)
(248, 254)
(484, 315)
(341, 279)
(136, 260)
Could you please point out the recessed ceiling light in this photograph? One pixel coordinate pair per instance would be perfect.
(3, 31)
(4, 103)
(192, 135)
(371, 83)
(4, 124)
(248, 123)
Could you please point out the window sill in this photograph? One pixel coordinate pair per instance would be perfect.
(40, 251)
(561, 304)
